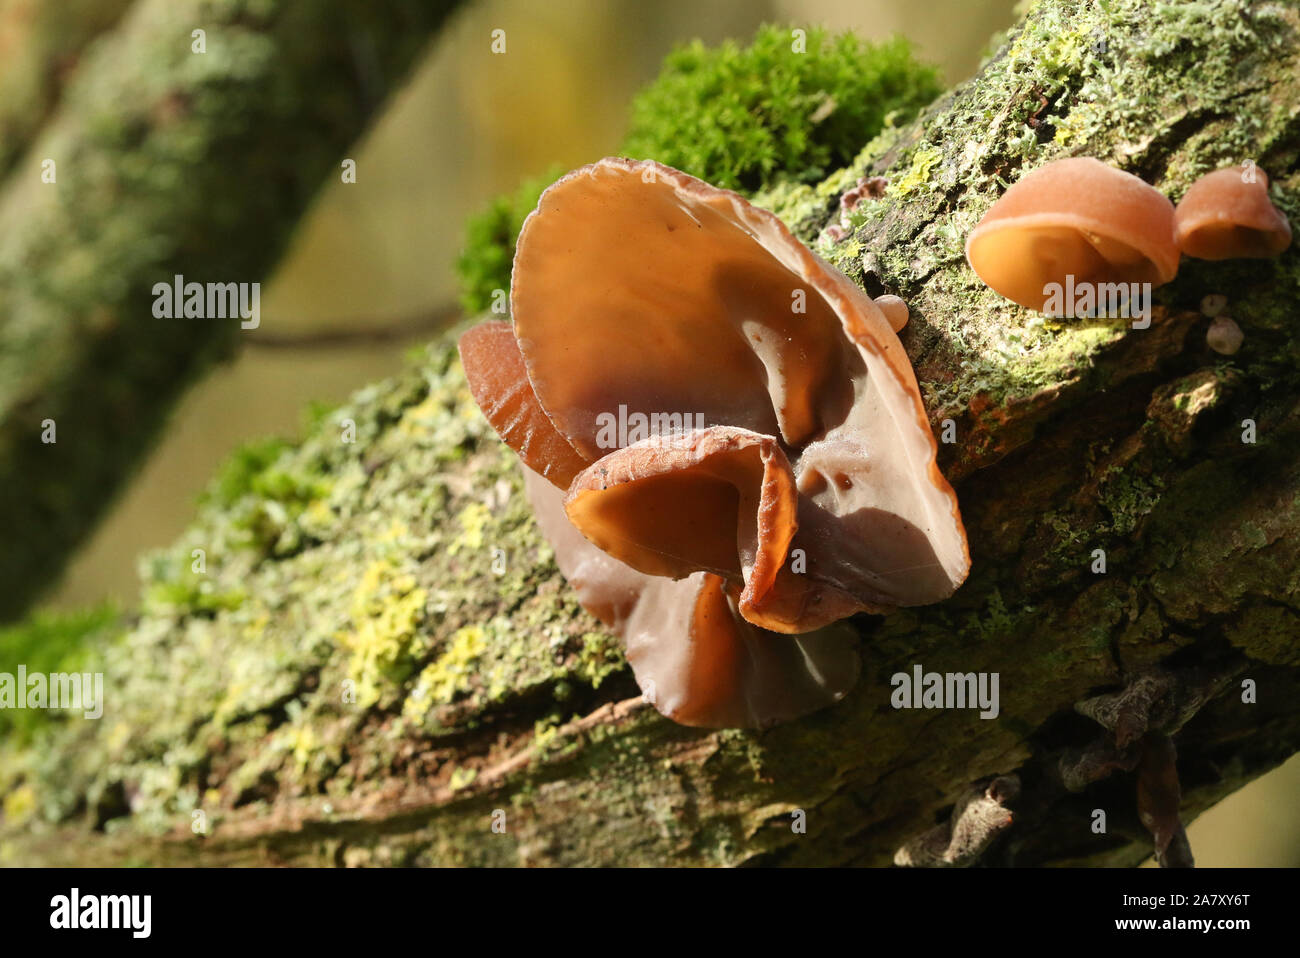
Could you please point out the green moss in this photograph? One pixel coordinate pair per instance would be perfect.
(49, 642)
(995, 622)
(489, 251)
(237, 475)
(192, 593)
(743, 117)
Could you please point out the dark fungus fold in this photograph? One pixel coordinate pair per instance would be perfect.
(694, 656)
(803, 486)
(719, 500)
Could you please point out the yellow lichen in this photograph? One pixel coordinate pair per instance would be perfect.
(20, 805)
(918, 174)
(449, 675)
(317, 517)
(118, 736)
(417, 419)
(462, 778)
(303, 743)
(545, 732)
(473, 520)
(386, 610)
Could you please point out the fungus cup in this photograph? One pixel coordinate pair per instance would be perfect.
(1213, 304)
(1224, 336)
(1227, 215)
(1075, 218)
(807, 489)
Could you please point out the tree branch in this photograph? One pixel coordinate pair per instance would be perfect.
(167, 162)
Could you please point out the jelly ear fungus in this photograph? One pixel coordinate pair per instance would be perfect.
(807, 489)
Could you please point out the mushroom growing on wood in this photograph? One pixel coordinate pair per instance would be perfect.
(696, 659)
(1224, 336)
(1227, 215)
(787, 478)
(1075, 218)
(895, 311)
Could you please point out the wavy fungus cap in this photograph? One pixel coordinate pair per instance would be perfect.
(1227, 215)
(788, 476)
(1074, 217)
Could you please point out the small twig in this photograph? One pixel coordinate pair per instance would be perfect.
(353, 333)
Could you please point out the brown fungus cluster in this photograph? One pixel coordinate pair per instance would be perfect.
(793, 482)
(1079, 221)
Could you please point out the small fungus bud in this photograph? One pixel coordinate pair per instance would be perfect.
(895, 311)
(1213, 304)
(1224, 336)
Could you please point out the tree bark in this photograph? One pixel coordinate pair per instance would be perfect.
(406, 563)
(166, 161)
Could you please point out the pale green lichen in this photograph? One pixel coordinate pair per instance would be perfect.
(600, 657)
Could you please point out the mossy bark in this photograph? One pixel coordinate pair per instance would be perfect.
(160, 159)
(381, 655)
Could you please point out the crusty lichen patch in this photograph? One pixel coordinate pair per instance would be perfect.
(398, 574)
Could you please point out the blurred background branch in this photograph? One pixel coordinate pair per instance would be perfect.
(40, 46)
(155, 159)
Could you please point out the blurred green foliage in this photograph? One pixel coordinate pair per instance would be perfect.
(242, 472)
(49, 642)
(788, 106)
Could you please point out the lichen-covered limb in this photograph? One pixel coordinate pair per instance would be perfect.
(381, 664)
(164, 161)
(39, 47)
